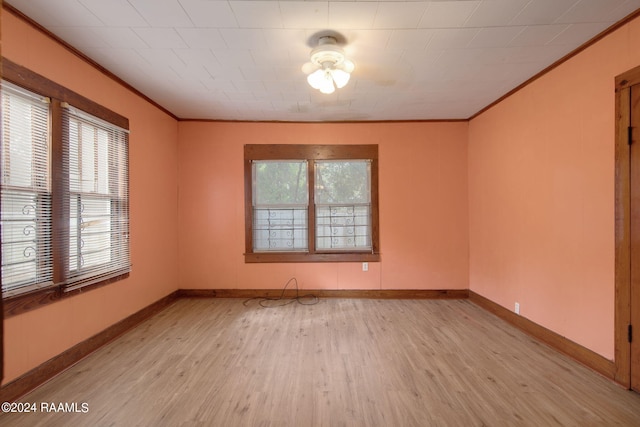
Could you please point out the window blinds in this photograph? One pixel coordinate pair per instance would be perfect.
(65, 195)
(96, 162)
(25, 191)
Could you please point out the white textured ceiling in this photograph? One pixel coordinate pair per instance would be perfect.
(241, 59)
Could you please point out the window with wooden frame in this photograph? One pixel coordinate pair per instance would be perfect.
(311, 203)
(65, 203)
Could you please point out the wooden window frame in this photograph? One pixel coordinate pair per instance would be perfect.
(34, 82)
(253, 152)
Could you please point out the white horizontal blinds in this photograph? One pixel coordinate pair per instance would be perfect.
(343, 205)
(96, 161)
(26, 193)
(280, 205)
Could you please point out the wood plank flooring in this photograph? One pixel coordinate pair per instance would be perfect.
(341, 362)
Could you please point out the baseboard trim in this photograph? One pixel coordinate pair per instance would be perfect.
(52, 367)
(577, 352)
(326, 293)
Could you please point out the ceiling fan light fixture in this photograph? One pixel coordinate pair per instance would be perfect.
(340, 78)
(316, 78)
(328, 89)
(332, 68)
(322, 80)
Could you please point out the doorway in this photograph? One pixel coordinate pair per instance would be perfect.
(627, 230)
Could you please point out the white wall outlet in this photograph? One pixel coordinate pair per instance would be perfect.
(365, 266)
(517, 308)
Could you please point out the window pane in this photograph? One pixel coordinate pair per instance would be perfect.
(343, 211)
(25, 240)
(346, 181)
(343, 227)
(280, 197)
(26, 198)
(98, 241)
(280, 229)
(88, 158)
(90, 232)
(280, 183)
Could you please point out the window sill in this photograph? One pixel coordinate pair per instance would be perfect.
(22, 303)
(273, 257)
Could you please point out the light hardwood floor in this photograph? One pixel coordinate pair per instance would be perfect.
(342, 362)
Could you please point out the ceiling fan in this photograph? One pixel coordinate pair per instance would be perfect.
(328, 67)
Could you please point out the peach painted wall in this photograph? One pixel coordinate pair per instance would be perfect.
(36, 336)
(516, 205)
(423, 206)
(541, 195)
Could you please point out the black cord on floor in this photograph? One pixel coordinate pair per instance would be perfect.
(271, 302)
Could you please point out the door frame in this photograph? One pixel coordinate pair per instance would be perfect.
(622, 351)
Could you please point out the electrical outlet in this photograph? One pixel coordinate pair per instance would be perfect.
(365, 266)
(517, 308)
